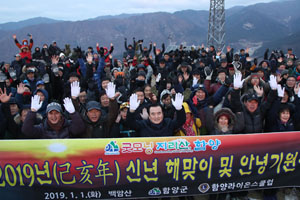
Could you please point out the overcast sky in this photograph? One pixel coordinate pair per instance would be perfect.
(17, 10)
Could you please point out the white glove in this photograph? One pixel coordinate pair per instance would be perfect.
(195, 81)
(273, 82)
(69, 105)
(298, 94)
(158, 77)
(280, 91)
(35, 103)
(111, 90)
(237, 80)
(75, 89)
(134, 102)
(178, 101)
(208, 76)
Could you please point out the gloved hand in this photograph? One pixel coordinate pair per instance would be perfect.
(280, 91)
(208, 73)
(298, 93)
(133, 102)
(237, 65)
(178, 101)
(158, 77)
(75, 89)
(111, 90)
(273, 82)
(237, 80)
(69, 105)
(195, 81)
(36, 104)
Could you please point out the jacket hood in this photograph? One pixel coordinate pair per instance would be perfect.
(229, 114)
(45, 102)
(189, 68)
(164, 92)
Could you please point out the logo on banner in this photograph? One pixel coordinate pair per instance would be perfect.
(154, 192)
(204, 187)
(112, 148)
(174, 146)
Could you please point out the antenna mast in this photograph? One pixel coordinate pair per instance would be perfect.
(216, 24)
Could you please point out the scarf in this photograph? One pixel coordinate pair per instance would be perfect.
(188, 127)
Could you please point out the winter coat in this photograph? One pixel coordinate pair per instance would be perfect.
(254, 122)
(196, 128)
(122, 130)
(211, 88)
(236, 121)
(273, 118)
(145, 128)
(130, 52)
(200, 107)
(42, 110)
(101, 128)
(71, 128)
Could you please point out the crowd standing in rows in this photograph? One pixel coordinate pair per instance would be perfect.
(53, 93)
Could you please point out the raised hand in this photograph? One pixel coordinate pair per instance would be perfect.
(195, 81)
(208, 73)
(178, 101)
(75, 89)
(4, 98)
(55, 59)
(21, 88)
(259, 90)
(111, 90)
(237, 81)
(36, 104)
(280, 91)
(273, 82)
(158, 77)
(89, 58)
(297, 90)
(133, 102)
(144, 114)
(69, 105)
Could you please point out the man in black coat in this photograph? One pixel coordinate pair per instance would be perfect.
(156, 125)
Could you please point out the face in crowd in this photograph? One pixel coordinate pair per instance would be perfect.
(147, 91)
(140, 96)
(251, 105)
(94, 115)
(284, 116)
(200, 94)
(123, 113)
(167, 101)
(104, 100)
(54, 117)
(156, 114)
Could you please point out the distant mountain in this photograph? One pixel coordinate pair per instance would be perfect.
(275, 23)
(121, 16)
(29, 22)
(283, 43)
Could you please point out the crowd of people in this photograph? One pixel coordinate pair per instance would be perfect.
(53, 93)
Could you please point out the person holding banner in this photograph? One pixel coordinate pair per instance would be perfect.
(156, 125)
(56, 125)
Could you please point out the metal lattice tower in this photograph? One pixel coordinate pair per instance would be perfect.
(216, 24)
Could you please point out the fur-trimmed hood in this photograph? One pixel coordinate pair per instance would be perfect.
(227, 112)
